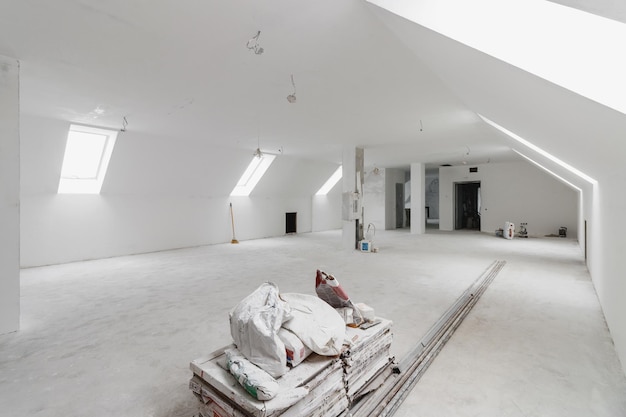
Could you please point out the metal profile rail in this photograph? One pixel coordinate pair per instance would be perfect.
(385, 401)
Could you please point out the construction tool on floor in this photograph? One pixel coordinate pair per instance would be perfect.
(232, 222)
(385, 401)
(364, 381)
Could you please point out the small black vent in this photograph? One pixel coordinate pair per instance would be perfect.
(473, 169)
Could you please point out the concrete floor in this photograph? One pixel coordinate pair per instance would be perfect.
(114, 337)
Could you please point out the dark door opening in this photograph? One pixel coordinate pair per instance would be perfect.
(467, 206)
(399, 205)
(291, 222)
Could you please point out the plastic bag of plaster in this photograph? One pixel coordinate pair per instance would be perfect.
(316, 323)
(255, 380)
(295, 349)
(254, 325)
(328, 289)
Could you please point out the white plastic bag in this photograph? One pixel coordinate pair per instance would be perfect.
(254, 325)
(255, 380)
(316, 323)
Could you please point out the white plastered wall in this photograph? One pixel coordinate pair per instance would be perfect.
(431, 190)
(159, 194)
(9, 195)
(326, 211)
(516, 192)
(374, 191)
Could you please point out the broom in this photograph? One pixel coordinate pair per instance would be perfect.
(232, 222)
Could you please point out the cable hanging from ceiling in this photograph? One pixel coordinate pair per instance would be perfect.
(253, 44)
(291, 98)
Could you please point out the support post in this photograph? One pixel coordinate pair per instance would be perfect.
(418, 198)
(352, 188)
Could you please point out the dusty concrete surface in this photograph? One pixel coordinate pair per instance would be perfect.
(115, 336)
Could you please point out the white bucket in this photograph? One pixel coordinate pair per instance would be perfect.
(509, 230)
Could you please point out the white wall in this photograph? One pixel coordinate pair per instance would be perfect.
(517, 192)
(432, 194)
(612, 287)
(159, 193)
(9, 196)
(374, 191)
(326, 211)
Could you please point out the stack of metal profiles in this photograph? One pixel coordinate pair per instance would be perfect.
(314, 388)
(320, 386)
(360, 383)
(386, 400)
(367, 360)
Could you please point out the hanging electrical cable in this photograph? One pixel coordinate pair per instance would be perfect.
(253, 44)
(292, 97)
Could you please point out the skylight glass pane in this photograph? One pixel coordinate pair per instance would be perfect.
(252, 175)
(87, 155)
(83, 154)
(331, 182)
(558, 177)
(539, 150)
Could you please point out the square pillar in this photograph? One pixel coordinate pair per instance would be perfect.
(418, 198)
(352, 189)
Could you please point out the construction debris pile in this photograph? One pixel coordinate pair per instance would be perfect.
(295, 355)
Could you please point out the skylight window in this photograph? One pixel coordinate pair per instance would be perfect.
(253, 174)
(331, 182)
(558, 177)
(87, 154)
(540, 151)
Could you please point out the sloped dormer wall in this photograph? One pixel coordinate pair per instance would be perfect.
(159, 193)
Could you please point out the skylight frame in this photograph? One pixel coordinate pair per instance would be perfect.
(252, 175)
(331, 181)
(86, 184)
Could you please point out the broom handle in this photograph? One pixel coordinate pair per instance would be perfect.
(232, 219)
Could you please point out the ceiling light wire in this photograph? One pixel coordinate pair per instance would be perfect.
(253, 44)
(292, 97)
(258, 153)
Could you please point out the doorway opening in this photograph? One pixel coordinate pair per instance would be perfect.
(467, 205)
(399, 205)
(291, 222)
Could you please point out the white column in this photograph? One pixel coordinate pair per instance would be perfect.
(9, 196)
(352, 182)
(418, 198)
